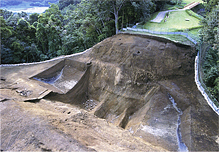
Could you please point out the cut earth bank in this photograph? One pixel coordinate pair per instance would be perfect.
(117, 96)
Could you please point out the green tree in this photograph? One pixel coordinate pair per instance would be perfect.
(12, 20)
(6, 32)
(23, 15)
(140, 11)
(17, 48)
(33, 18)
(209, 34)
(5, 29)
(65, 3)
(210, 23)
(210, 4)
(211, 72)
(5, 14)
(17, 37)
(84, 26)
(41, 36)
(48, 31)
(115, 6)
(77, 26)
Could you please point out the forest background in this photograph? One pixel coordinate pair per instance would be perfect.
(68, 27)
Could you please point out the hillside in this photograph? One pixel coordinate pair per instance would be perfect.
(128, 92)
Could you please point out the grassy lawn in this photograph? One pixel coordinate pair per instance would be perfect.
(180, 6)
(194, 31)
(176, 21)
(194, 34)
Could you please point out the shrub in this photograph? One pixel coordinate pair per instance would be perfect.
(191, 13)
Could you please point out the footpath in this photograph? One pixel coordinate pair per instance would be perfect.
(160, 16)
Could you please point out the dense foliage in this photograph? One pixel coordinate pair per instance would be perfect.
(210, 35)
(67, 27)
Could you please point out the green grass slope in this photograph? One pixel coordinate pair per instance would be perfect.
(178, 20)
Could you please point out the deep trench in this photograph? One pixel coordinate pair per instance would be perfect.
(80, 92)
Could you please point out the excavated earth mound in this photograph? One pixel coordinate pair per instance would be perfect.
(128, 92)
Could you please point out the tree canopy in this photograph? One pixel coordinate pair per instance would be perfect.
(210, 35)
(67, 27)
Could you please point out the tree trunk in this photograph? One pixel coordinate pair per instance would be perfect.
(123, 19)
(116, 23)
(116, 8)
(116, 14)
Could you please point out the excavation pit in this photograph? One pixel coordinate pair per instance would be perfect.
(63, 76)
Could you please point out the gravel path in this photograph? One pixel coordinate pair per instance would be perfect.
(160, 16)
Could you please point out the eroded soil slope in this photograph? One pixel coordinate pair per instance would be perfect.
(129, 92)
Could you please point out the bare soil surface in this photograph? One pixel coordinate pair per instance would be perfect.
(114, 97)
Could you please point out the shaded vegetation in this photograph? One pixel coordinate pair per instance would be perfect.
(67, 27)
(210, 35)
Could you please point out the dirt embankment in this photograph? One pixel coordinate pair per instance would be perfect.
(119, 93)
